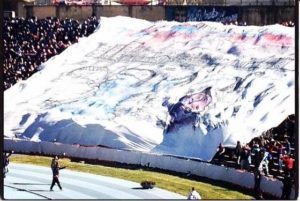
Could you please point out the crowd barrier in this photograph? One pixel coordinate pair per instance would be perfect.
(172, 163)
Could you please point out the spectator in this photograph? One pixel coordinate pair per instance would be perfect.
(246, 157)
(256, 155)
(271, 152)
(287, 146)
(238, 152)
(280, 153)
(264, 164)
(288, 163)
(194, 195)
(220, 153)
(288, 23)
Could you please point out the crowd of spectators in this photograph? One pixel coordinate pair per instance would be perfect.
(271, 151)
(288, 23)
(242, 23)
(31, 41)
(264, 152)
(237, 23)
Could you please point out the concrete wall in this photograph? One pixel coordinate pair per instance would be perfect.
(111, 11)
(151, 13)
(75, 12)
(43, 12)
(253, 15)
(266, 14)
(21, 11)
(183, 165)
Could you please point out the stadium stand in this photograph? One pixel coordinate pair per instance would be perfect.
(30, 42)
(281, 138)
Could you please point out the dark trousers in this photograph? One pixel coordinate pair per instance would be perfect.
(257, 190)
(54, 181)
(220, 157)
(286, 192)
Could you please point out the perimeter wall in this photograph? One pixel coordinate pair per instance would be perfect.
(253, 15)
(172, 163)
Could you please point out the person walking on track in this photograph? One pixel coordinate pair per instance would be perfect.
(55, 171)
(6, 162)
